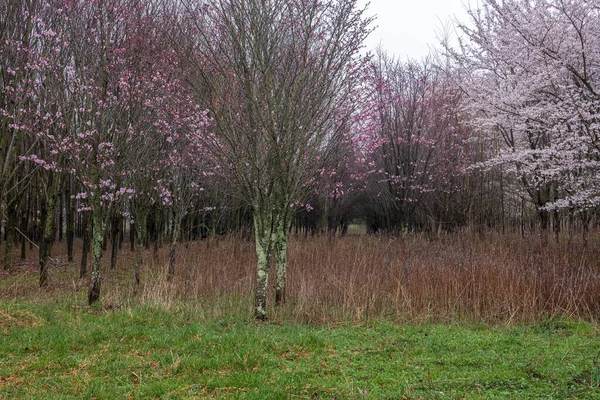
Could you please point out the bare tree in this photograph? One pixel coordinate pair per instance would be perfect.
(278, 77)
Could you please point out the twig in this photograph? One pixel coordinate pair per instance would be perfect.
(25, 236)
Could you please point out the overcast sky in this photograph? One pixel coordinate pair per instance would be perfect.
(407, 27)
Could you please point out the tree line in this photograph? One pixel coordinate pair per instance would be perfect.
(169, 121)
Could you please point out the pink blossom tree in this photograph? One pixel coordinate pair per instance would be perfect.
(103, 95)
(32, 112)
(179, 125)
(417, 150)
(28, 49)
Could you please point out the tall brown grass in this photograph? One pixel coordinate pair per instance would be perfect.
(450, 277)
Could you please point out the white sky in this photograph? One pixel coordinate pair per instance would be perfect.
(406, 27)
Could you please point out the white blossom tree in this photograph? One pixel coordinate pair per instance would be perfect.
(530, 72)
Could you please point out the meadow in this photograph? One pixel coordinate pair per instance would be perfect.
(414, 316)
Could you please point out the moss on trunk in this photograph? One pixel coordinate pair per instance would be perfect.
(280, 244)
(262, 235)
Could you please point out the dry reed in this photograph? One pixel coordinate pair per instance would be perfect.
(450, 277)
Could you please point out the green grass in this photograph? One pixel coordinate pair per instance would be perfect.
(62, 351)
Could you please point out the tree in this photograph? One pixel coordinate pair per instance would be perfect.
(278, 79)
(418, 151)
(178, 128)
(99, 93)
(529, 69)
(26, 52)
(34, 60)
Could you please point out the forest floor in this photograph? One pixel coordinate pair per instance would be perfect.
(171, 343)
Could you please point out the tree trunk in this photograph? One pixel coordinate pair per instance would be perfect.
(70, 211)
(48, 224)
(556, 225)
(122, 231)
(585, 221)
(544, 220)
(173, 249)
(105, 241)
(140, 230)
(97, 240)
(24, 217)
(156, 234)
(571, 227)
(23, 237)
(280, 243)
(44, 253)
(34, 232)
(115, 226)
(262, 237)
(86, 227)
(11, 222)
(132, 226)
(61, 207)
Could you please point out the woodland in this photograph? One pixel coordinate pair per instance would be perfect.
(197, 148)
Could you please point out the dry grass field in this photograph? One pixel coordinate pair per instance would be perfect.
(496, 278)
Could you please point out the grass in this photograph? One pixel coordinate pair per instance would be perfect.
(61, 351)
(413, 317)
